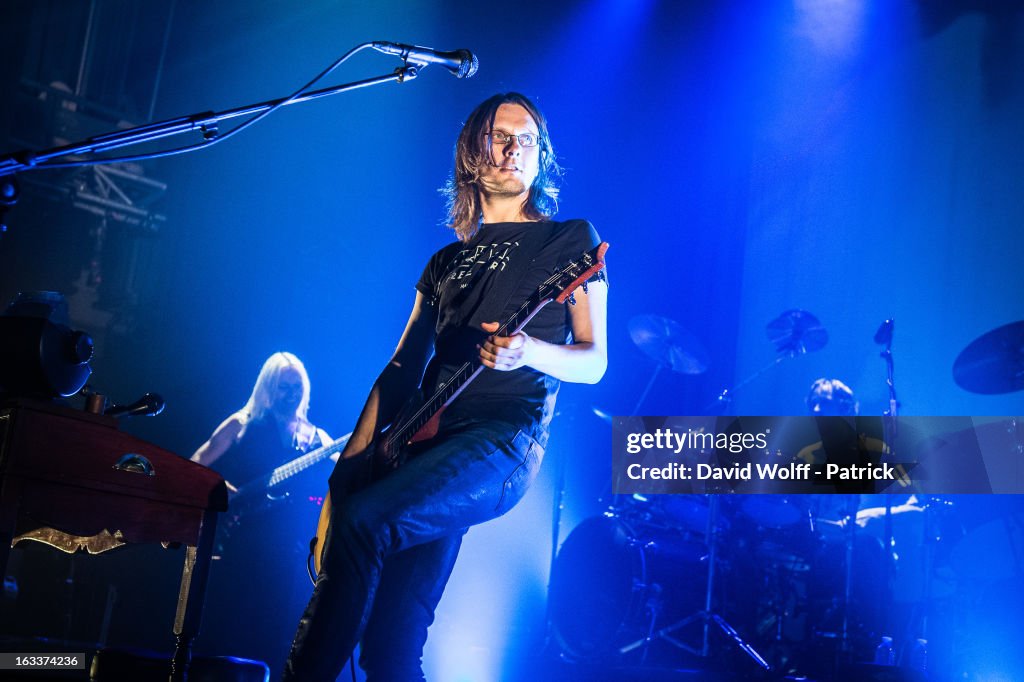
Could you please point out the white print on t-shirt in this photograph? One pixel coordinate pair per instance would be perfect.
(489, 256)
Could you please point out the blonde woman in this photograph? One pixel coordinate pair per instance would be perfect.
(258, 584)
(271, 429)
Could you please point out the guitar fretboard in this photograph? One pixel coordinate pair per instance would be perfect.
(262, 485)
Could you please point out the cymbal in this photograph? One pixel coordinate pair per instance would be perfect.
(994, 362)
(667, 343)
(796, 331)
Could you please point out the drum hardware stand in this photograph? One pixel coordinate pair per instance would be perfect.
(722, 401)
(666, 342)
(929, 558)
(889, 556)
(647, 388)
(558, 505)
(845, 650)
(932, 536)
(794, 332)
(780, 585)
(707, 617)
(890, 428)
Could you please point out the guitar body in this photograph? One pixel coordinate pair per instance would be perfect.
(389, 447)
(419, 418)
(317, 544)
(428, 430)
(387, 456)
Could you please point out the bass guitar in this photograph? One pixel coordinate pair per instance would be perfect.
(266, 491)
(262, 491)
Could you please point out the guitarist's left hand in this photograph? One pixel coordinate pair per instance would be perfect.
(504, 353)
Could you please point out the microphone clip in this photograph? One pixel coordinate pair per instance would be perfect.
(407, 72)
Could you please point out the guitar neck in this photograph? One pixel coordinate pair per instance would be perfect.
(292, 468)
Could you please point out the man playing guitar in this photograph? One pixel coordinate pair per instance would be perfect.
(393, 537)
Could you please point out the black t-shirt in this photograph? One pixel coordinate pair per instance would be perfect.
(486, 280)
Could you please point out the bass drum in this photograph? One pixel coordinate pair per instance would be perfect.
(615, 581)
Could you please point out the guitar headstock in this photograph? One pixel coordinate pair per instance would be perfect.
(561, 285)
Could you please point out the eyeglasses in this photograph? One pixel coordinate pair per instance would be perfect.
(501, 138)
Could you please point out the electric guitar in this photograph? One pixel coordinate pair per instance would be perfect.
(419, 419)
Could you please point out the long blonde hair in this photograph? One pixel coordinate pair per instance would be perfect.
(262, 398)
(473, 153)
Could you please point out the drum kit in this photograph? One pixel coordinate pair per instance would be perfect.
(796, 584)
(673, 579)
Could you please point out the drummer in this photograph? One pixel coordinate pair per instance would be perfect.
(833, 398)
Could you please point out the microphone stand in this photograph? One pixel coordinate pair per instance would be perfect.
(884, 337)
(890, 428)
(204, 122)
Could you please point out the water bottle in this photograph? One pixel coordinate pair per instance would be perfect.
(919, 655)
(885, 654)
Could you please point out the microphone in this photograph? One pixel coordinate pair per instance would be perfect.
(884, 334)
(461, 63)
(148, 405)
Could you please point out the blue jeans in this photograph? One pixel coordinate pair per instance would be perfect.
(392, 545)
